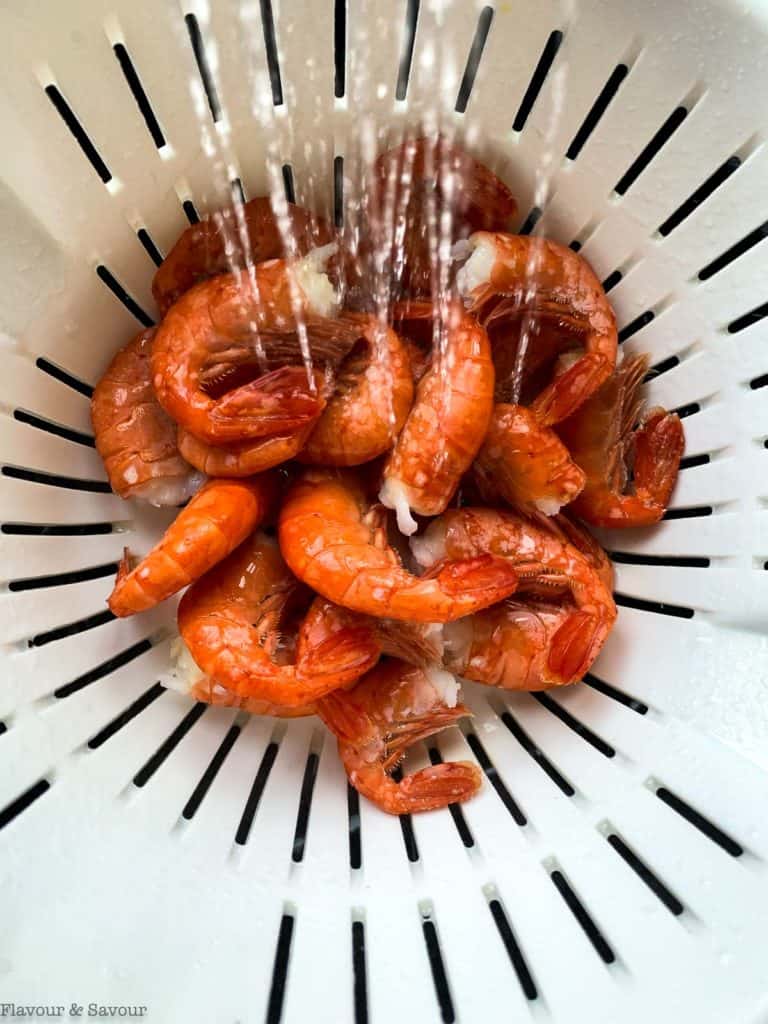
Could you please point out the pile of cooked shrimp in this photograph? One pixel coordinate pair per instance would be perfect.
(433, 404)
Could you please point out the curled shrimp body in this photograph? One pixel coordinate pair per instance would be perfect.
(375, 722)
(230, 622)
(134, 437)
(526, 463)
(372, 397)
(219, 517)
(540, 301)
(202, 251)
(219, 324)
(336, 543)
(604, 435)
(576, 643)
(448, 421)
(245, 459)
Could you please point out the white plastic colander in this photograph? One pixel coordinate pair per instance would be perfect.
(216, 868)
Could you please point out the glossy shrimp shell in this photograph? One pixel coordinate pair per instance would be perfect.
(230, 620)
(215, 246)
(219, 517)
(333, 541)
(374, 392)
(241, 460)
(448, 421)
(229, 321)
(554, 561)
(391, 708)
(606, 434)
(134, 437)
(519, 281)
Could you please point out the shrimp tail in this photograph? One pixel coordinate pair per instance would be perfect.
(124, 568)
(283, 400)
(567, 392)
(487, 575)
(574, 647)
(416, 643)
(659, 445)
(426, 790)
(346, 654)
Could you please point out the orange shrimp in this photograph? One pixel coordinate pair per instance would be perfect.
(202, 250)
(577, 641)
(526, 463)
(604, 437)
(220, 324)
(336, 543)
(134, 437)
(422, 188)
(219, 517)
(540, 301)
(448, 421)
(375, 722)
(245, 459)
(374, 392)
(230, 621)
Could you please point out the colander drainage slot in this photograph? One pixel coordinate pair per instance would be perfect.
(697, 197)
(64, 377)
(406, 826)
(190, 211)
(305, 805)
(530, 222)
(573, 723)
(695, 818)
(21, 803)
(72, 628)
(56, 529)
(339, 48)
(691, 462)
(106, 275)
(359, 978)
(646, 155)
(733, 253)
(270, 47)
(473, 59)
(583, 917)
(142, 100)
(659, 368)
(641, 869)
(167, 747)
(104, 669)
(618, 695)
(683, 411)
(536, 753)
(636, 325)
(465, 833)
(692, 512)
(748, 319)
(759, 382)
(493, 777)
(280, 970)
(538, 78)
(599, 107)
(62, 579)
(353, 815)
(149, 245)
(39, 476)
(210, 773)
(254, 797)
(51, 427)
(514, 952)
(290, 191)
(612, 280)
(681, 561)
(406, 57)
(657, 607)
(437, 966)
(338, 191)
(81, 136)
(203, 67)
(121, 720)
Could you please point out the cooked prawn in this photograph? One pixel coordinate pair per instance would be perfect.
(219, 517)
(375, 722)
(525, 462)
(134, 437)
(462, 533)
(221, 324)
(540, 301)
(202, 250)
(245, 459)
(230, 622)
(372, 397)
(607, 435)
(448, 421)
(336, 543)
